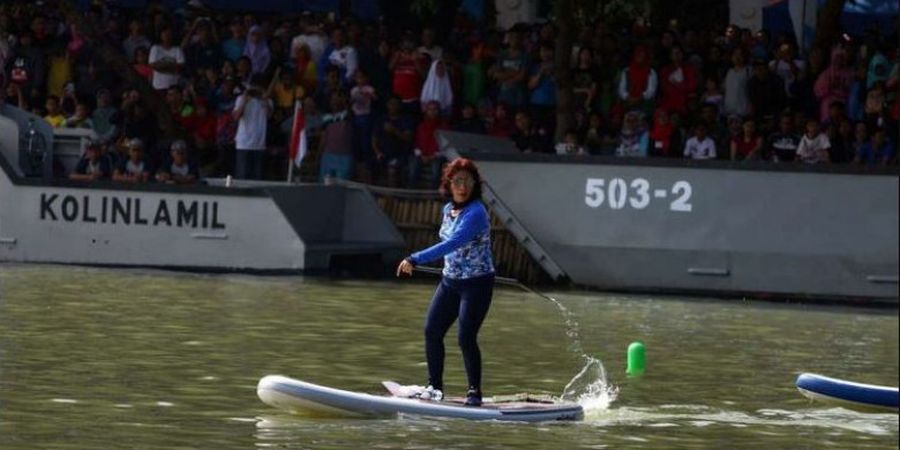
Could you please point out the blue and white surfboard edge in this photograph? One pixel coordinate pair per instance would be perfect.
(298, 396)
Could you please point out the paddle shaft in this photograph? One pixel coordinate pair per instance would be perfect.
(501, 280)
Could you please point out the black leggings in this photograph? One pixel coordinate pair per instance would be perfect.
(469, 300)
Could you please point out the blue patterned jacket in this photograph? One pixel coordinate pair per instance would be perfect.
(465, 243)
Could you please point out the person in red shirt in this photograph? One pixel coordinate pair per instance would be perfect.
(202, 127)
(426, 151)
(502, 125)
(678, 83)
(746, 145)
(406, 73)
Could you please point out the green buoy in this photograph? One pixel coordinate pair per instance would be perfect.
(636, 359)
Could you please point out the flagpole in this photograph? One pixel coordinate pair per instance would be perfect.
(290, 175)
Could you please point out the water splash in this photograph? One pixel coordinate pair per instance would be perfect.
(590, 387)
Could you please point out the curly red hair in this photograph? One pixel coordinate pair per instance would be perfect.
(460, 165)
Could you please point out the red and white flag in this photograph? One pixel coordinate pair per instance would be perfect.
(298, 135)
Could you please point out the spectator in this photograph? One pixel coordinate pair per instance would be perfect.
(53, 114)
(167, 61)
(633, 138)
(584, 80)
(141, 63)
(856, 99)
(501, 126)
(736, 99)
(177, 169)
(257, 50)
(678, 83)
(661, 134)
(524, 135)
(136, 39)
(875, 102)
(747, 145)
(510, 71)
(104, 117)
(336, 143)
(595, 136)
(201, 127)
(429, 50)
(310, 36)
(305, 69)
(406, 72)
(243, 71)
(712, 95)
(393, 141)
(201, 46)
(542, 84)
(437, 88)
(878, 150)
(834, 83)
(700, 146)
(251, 111)
(60, 70)
(841, 135)
(814, 145)
(787, 67)
(343, 56)
(473, 76)
(361, 98)
(426, 152)
(469, 121)
(286, 91)
(570, 145)
(81, 118)
(781, 146)
(638, 82)
(92, 166)
(179, 108)
(765, 91)
(135, 169)
(233, 47)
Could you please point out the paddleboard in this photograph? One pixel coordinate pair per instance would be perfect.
(848, 393)
(297, 396)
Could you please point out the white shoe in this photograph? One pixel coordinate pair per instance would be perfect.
(430, 393)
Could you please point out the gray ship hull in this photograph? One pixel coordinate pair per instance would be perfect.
(262, 229)
(717, 227)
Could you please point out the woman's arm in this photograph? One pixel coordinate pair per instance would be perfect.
(473, 220)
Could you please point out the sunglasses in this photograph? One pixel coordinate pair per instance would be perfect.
(462, 181)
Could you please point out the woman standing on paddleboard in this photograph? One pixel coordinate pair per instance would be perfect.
(467, 284)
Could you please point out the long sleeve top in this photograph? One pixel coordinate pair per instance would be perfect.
(465, 243)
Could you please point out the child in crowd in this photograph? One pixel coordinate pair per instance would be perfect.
(814, 145)
(92, 166)
(361, 98)
(135, 169)
(700, 146)
(81, 118)
(54, 115)
(570, 145)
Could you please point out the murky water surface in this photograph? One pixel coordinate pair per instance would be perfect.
(95, 358)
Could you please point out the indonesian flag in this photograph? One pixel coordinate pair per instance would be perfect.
(298, 135)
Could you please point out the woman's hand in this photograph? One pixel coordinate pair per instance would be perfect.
(405, 268)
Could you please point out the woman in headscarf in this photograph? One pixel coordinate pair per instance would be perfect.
(834, 82)
(257, 50)
(633, 139)
(437, 88)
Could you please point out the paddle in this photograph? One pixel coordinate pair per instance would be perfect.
(502, 280)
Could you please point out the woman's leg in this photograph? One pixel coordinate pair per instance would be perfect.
(475, 302)
(441, 314)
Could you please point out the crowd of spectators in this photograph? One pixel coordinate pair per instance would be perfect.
(373, 97)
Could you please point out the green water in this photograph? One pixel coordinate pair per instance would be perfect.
(98, 359)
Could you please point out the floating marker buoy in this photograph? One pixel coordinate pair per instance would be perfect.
(636, 359)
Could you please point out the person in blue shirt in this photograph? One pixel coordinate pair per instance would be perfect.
(466, 288)
(878, 150)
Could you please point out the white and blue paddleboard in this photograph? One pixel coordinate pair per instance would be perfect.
(848, 393)
(298, 396)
